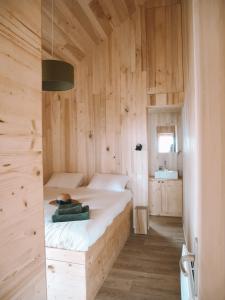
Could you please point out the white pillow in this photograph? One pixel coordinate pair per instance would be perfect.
(110, 182)
(65, 180)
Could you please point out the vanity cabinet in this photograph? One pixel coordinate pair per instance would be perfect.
(165, 197)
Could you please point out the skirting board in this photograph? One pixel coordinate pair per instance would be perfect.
(79, 275)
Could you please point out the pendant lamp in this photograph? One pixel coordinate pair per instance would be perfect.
(57, 75)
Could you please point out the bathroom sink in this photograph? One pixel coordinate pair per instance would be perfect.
(166, 174)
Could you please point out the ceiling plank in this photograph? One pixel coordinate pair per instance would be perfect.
(121, 9)
(66, 52)
(131, 7)
(90, 14)
(111, 12)
(102, 18)
(60, 54)
(81, 16)
(60, 39)
(81, 24)
(71, 41)
(72, 26)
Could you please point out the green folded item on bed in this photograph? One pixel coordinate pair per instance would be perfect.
(84, 215)
(69, 210)
(69, 205)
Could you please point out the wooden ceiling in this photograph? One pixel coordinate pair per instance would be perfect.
(79, 25)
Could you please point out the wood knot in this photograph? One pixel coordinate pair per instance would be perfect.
(126, 109)
(107, 149)
(22, 187)
(34, 232)
(109, 17)
(6, 165)
(25, 203)
(38, 173)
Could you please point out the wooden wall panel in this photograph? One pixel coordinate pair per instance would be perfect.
(110, 100)
(22, 261)
(167, 99)
(110, 112)
(204, 149)
(164, 48)
(59, 132)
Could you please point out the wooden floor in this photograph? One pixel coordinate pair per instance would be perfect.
(148, 266)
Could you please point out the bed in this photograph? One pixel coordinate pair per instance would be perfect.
(80, 254)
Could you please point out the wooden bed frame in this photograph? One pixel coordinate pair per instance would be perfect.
(79, 275)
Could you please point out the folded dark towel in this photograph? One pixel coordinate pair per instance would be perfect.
(84, 215)
(69, 210)
(67, 205)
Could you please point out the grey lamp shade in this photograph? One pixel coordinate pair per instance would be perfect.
(57, 75)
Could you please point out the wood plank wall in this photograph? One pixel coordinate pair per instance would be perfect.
(164, 48)
(108, 110)
(204, 147)
(22, 266)
(164, 52)
(59, 132)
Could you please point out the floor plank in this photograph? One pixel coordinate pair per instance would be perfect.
(148, 266)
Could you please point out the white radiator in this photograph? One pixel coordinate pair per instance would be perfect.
(187, 275)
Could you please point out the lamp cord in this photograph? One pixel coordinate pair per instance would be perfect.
(52, 26)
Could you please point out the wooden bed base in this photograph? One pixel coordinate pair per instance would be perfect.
(79, 275)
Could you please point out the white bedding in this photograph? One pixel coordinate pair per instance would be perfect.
(80, 235)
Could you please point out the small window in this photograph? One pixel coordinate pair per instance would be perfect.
(166, 142)
(166, 136)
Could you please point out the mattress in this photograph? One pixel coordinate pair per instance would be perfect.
(80, 235)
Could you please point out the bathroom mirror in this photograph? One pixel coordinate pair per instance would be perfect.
(166, 138)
